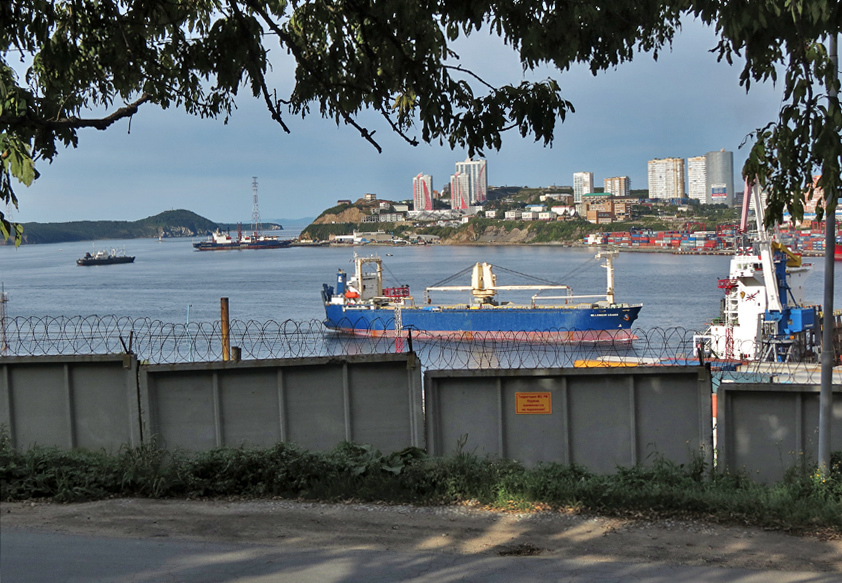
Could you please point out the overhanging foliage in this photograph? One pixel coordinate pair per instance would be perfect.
(63, 60)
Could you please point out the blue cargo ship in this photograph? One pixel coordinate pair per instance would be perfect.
(361, 305)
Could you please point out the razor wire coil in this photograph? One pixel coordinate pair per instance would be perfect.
(157, 342)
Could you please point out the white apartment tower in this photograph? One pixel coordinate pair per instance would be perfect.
(475, 171)
(697, 178)
(460, 187)
(666, 178)
(618, 186)
(422, 192)
(582, 184)
(719, 179)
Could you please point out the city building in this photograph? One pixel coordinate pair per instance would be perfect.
(477, 179)
(422, 192)
(582, 184)
(618, 185)
(697, 178)
(666, 178)
(719, 180)
(460, 191)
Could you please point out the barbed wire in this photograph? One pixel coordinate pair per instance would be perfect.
(158, 342)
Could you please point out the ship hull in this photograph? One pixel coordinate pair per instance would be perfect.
(105, 261)
(213, 246)
(557, 324)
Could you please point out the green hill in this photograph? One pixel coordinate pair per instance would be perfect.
(177, 223)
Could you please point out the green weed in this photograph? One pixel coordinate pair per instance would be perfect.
(658, 488)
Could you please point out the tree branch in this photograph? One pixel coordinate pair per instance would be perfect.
(13, 121)
(301, 60)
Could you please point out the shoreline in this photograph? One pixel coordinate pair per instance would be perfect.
(714, 252)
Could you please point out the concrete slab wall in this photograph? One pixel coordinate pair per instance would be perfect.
(598, 418)
(313, 402)
(765, 429)
(70, 401)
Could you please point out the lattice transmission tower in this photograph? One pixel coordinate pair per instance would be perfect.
(255, 210)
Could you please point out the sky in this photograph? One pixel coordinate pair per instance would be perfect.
(685, 104)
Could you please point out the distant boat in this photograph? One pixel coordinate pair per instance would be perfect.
(219, 241)
(105, 258)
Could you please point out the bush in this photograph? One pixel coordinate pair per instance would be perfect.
(360, 472)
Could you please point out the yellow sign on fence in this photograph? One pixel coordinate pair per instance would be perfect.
(534, 403)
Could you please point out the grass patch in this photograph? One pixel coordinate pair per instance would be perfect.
(800, 503)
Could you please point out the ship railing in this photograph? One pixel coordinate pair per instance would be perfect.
(567, 298)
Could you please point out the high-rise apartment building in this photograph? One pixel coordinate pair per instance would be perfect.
(475, 170)
(666, 178)
(719, 181)
(460, 191)
(422, 192)
(582, 184)
(618, 185)
(697, 178)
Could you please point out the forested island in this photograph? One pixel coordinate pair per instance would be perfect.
(174, 223)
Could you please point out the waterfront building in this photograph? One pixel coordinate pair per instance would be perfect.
(460, 191)
(697, 178)
(564, 211)
(436, 215)
(422, 192)
(666, 178)
(618, 185)
(582, 184)
(477, 180)
(719, 180)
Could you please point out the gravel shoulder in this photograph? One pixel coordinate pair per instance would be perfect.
(448, 529)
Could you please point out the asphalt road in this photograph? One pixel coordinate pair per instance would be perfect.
(28, 556)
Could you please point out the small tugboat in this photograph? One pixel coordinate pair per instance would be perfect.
(362, 306)
(105, 258)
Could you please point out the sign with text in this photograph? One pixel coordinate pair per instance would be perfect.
(533, 403)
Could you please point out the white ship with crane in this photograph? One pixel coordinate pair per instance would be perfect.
(764, 317)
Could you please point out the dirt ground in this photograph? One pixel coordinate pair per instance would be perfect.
(452, 529)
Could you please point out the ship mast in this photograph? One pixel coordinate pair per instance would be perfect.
(609, 267)
(256, 227)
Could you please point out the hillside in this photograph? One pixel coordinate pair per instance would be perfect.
(176, 223)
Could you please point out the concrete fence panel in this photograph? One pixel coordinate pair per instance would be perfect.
(767, 429)
(598, 418)
(313, 402)
(70, 401)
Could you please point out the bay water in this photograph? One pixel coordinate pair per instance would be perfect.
(171, 282)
